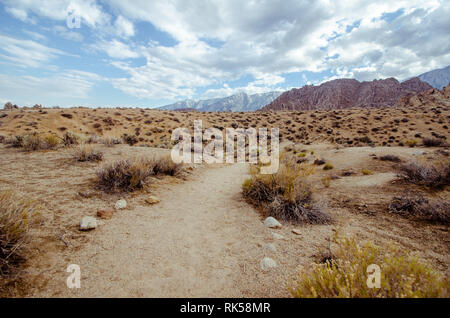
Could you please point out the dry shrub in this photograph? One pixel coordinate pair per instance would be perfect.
(433, 142)
(87, 153)
(70, 139)
(34, 142)
(285, 195)
(16, 216)
(130, 139)
(131, 175)
(110, 141)
(51, 141)
(165, 165)
(345, 275)
(410, 204)
(392, 158)
(433, 176)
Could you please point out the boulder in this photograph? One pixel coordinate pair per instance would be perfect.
(88, 223)
(121, 204)
(272, 223)
(267, 264)
(270, 247)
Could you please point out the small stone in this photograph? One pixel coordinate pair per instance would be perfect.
(121, 204)
(277, 236)
(270, 247)
(105, 214)
(272, 223)
(88, 223)
(152, 200)
(297, 231)
(267, 263)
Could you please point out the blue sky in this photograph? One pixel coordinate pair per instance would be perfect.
(151, 53)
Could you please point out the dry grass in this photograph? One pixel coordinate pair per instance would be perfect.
(392, 158)
(16, 216)
(433, 142)
(434, 176)
(410, 204)
(345, 275)
(285, 195)
(87, 153)
(131, 175)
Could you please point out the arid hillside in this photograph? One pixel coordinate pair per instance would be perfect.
(347, 93)
(423, 115)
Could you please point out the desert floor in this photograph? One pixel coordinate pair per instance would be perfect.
(202, 239)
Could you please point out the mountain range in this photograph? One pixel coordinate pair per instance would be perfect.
(437, 78)
(347, 93)
(339, 93)
(240, 102)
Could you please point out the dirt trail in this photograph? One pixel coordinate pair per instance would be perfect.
(194, 243)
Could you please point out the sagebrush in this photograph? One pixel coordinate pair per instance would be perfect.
(16, 218)
(285, 195)
(344, 274)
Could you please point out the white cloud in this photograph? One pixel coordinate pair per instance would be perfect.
(26, 53)
(124, 27)
(68, 34)
(221, 41)
(51, 90)
(116, 49)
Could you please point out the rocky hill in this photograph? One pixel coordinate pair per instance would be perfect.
(240, 102)
(431, 98)
(347, 93)
(437, 78)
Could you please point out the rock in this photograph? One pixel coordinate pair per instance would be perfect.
(152, 200)
(296, 231)
(88, 223)
(105, 214)
(267, 263)
(347, 93)
(270, 247)
(277, 236)
(272, 223)
(121, 204)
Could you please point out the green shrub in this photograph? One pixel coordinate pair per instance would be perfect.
(328, 166)
(345, 274)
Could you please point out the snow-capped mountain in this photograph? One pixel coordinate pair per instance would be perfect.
(240, 102)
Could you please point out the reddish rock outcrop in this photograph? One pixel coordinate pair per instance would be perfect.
(347, 93)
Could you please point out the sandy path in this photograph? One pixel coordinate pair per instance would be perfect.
(194, 243)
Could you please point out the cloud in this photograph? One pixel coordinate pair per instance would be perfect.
(218, 42)
(26, 53)
(51, 90)
(67, 34)
(116, 49)
(124, 28)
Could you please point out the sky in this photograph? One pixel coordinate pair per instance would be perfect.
(144, 53)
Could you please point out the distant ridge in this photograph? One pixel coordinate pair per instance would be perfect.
(438, 78)
(347, 93)
(240, 102)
